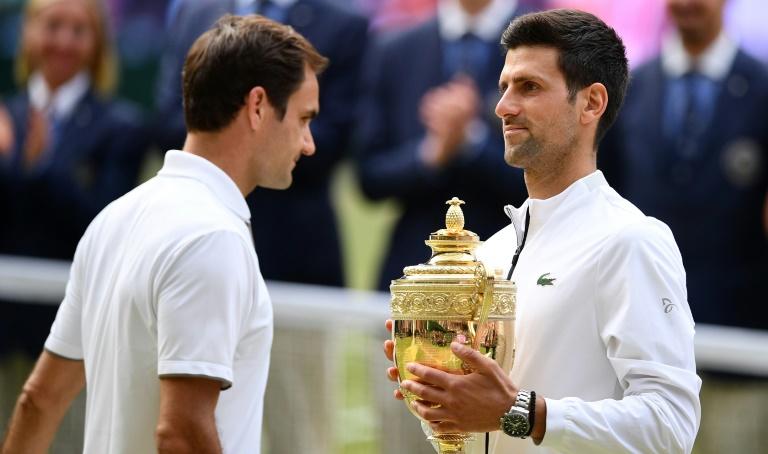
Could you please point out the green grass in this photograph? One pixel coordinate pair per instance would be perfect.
(364, 229)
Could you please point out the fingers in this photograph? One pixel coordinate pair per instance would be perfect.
(473, 358)
(425, 392)
(429, 412)
(430, 375)
(444, 427)
(388, 325)
(6, 132)
(393, 374)
(398, 395)
(389, 348)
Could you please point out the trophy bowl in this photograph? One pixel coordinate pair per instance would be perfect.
(450, 298)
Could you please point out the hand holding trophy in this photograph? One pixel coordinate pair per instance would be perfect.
(451, 298)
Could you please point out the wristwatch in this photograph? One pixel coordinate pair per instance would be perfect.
(518, 421)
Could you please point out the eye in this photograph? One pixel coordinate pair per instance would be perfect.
(529, 86)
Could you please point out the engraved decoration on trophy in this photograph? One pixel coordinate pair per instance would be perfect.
(450, 298)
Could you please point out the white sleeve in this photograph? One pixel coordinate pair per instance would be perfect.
(646, 326)
(65, 338)
(203, 297)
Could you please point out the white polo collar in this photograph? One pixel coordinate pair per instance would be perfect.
(543, 209)
(62, 102)
(187, 165)
(455, 22)
(714, 63)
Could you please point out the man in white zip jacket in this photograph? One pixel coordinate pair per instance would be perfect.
(604, 335)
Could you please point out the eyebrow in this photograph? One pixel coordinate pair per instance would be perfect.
(503, 85)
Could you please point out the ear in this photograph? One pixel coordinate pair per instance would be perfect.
(596, 97)
(256, 105)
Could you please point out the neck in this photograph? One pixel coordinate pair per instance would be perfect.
(551, 180)
(695, 43)
(474, 7)
(225, 152)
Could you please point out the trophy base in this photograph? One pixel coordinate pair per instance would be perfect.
(451, 443)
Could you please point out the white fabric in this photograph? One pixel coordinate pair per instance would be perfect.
(62, 102)
(609, 343)
(487, 24)
(714, 63)
(166, 282)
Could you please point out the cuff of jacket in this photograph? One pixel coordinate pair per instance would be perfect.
(558, 422)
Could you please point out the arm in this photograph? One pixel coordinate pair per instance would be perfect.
(186, 423)
(50, 389)
(457, 395)
(203, 294)
(56, 380)
(646, 326)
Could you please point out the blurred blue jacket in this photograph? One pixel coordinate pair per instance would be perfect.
(712, 201)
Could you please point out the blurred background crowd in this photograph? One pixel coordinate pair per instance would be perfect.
(90, 99)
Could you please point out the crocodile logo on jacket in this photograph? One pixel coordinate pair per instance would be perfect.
(544, 280)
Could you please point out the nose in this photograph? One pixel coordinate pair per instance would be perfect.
(309, 144)
(507, 105)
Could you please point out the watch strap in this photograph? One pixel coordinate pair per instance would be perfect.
(524, 403)
(531, 413)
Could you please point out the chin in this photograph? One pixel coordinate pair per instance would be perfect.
(285, 184)
(513, 158)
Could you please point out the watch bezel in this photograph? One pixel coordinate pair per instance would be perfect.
(516, 423)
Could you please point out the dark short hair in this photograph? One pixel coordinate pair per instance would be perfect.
(590, 51)
(237, 54)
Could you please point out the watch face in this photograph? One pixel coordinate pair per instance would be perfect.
(515, 424)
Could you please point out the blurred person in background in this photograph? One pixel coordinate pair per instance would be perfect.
(166, 318)
(691, 148)
(71, 149)
(304, 215)
(427, 126)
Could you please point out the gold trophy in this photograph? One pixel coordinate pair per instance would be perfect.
(451, 298)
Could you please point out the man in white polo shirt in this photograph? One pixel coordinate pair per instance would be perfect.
(166, 317)
(604, 335)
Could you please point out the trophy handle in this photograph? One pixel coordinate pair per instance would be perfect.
(485, 309)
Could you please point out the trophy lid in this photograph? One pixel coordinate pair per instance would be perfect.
(453, 249)
(452, 283)
(453, 238)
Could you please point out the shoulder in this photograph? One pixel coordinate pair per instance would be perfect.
(753, 70)
(649, 72)
(496, 251)
(17, 106)
(417, 35)
(332, 11)
(624, 226)
(642, 241)
(195, 10)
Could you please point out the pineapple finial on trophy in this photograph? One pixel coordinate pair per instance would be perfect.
(454, 218)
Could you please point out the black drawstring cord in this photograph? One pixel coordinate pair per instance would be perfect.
(522, 244)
